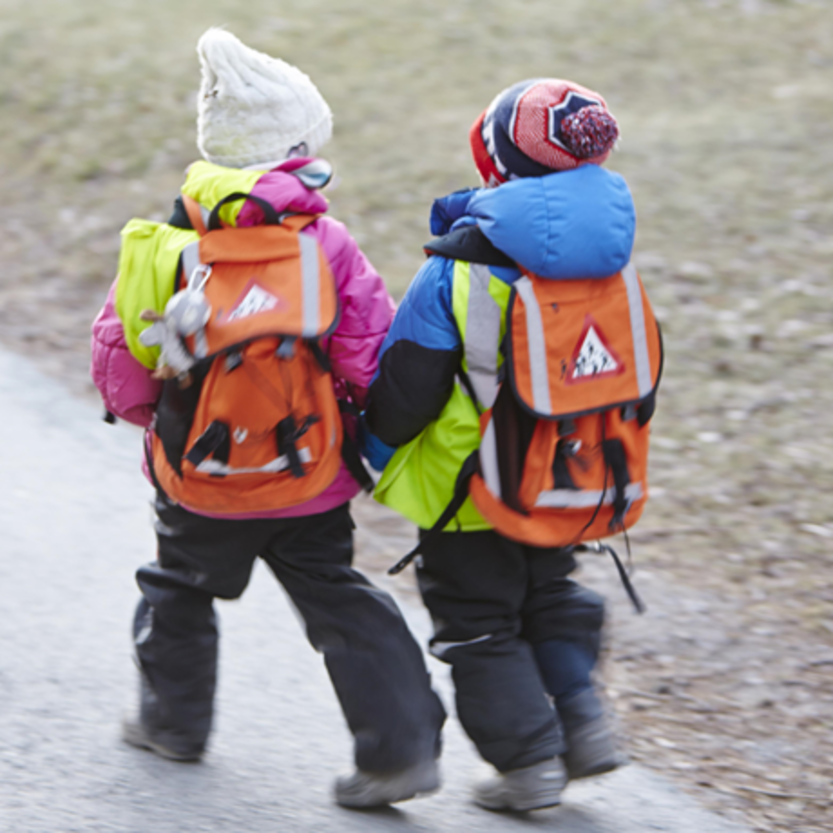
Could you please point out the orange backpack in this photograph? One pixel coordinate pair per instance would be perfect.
(564, 448)
(255, 425)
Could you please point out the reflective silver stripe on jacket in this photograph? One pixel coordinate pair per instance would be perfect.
(480, 344)
(488, 460)
(640, 339)
(538, 370)
(584, 499)
(439, 649)
(311, 285)
(211, 466)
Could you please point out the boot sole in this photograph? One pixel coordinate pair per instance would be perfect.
(136, 737)
(596, 769)
(518, 807)
(366, 802)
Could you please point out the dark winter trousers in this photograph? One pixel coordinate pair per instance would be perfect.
(376, 667)
(493, 601)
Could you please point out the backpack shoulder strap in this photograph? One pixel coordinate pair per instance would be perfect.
(196, 214)
(461, 493)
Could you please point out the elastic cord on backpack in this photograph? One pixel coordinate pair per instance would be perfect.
(601, 499)
(598, 546)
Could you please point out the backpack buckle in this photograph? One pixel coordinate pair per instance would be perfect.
(286, 349)
(629, 412)
(566, 427)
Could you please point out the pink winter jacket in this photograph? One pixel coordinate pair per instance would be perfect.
(367, 310)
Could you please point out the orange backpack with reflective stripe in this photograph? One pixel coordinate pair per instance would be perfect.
(563, 455)
(254, 425)
(564, 450)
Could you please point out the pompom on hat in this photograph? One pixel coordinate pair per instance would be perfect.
(539, 126)
(254, 109)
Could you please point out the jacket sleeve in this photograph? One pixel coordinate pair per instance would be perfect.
(419, 359)
(366, 309)
(125, 385)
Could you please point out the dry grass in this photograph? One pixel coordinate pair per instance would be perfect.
(726, 112)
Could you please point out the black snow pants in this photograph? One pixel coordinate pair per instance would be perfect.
(491, 600)
(376, 666)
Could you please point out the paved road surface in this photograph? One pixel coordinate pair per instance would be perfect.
(74, 525)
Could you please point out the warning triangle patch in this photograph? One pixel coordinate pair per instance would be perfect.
(254, 299)
(593, 356)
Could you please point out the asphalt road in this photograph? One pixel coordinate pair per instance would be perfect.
(74, 525)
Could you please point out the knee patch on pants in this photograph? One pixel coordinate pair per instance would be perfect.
(567, 612)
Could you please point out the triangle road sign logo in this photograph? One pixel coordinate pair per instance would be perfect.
(593, 357)
(253, 300)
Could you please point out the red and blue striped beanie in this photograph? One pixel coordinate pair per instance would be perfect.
(539, 126)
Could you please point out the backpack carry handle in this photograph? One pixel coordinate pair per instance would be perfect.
(272, 217)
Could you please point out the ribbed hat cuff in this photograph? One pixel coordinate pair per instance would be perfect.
(482, 160)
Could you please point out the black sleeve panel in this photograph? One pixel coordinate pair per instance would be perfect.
(411, 390)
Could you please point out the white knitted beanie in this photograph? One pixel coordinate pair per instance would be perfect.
(253, 109)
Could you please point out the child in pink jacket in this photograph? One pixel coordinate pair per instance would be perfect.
(263, 114)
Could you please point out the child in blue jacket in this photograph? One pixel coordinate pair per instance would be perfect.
(512, 624)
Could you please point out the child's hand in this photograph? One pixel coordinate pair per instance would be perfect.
(376, 452)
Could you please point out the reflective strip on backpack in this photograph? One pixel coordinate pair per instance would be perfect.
(483, 316)
(216, 467)
(584, 499)
(488, 460)
(538, 370)
(310, 282)
(640, 339)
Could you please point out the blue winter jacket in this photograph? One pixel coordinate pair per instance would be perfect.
(573, 224)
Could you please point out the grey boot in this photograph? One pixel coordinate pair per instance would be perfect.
(369, 789)
(165, 744)
(591, 743)
(529, 788)
(146, 731)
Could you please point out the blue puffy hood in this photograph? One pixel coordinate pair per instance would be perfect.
(571, 224)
